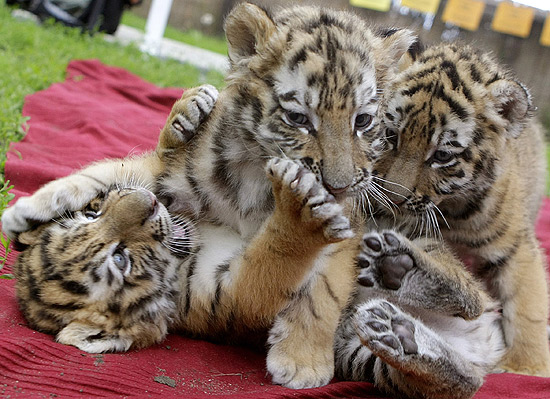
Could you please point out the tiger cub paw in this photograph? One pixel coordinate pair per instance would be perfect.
(51, 201)
(416, 354)
(190, 111)
(388, 261)
(300, 370)
(387, 331)
(300, 196)
(383, 260)
(92, 339)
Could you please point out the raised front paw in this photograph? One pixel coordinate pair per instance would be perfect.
(190, 111)
(298, 194)
(51, 201)
(427, 280)
(384, 260)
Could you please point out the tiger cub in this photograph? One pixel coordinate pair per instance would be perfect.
(303, 87)
(105, 278)
(465, 165)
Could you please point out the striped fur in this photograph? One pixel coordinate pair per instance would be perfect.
(104, 278)
(463, 171)
(301, 98)
(419, 326)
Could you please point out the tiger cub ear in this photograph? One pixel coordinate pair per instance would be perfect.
(28, 238)
(92, 339)
(400, 45)
(247, 28)
(513, 103)
(413, 52)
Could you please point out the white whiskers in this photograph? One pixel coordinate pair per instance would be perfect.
(183, 237)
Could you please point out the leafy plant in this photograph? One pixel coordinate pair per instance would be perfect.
(5, 197)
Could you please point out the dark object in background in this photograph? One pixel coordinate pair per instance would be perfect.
(103, 15)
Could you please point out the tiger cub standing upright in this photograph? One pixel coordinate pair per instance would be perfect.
(465, 163)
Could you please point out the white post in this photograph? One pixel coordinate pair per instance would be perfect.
(157, 19)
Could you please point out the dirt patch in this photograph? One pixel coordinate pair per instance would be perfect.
(163, 379)
(98, 360)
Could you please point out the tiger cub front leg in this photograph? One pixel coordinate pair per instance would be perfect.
(186, 116)
(301, 339)
(74, 192)
(421, 273)
(306, 219)
(521, 286)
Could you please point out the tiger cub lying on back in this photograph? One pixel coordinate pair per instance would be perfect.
(105, 278)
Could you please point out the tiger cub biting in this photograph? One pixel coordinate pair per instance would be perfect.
(465, 165)
(303, 87)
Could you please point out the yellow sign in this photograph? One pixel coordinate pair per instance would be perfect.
(545, 35)
(378, 5)
(464, 13)
(426, 6)
(513, 20)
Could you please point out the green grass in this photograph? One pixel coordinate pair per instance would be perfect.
(193, 37)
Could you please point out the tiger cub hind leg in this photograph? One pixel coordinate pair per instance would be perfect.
(301, 353)
(186, 116)
(413, 359)
(420, 273)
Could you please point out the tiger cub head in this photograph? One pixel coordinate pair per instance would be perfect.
(447, 119)
(104, 278)
(305, 84)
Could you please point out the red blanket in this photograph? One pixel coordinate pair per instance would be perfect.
(99, 112)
